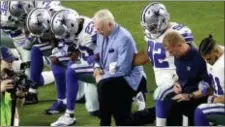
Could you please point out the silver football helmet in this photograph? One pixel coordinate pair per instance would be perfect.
(38, 21)
(20, 9)
(154, 19)
(65, 23)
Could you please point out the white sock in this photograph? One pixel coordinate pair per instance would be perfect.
(16, 122)
(48, 77)
(161, 121)
(70, 111)
(60, 100)
(31, 90)
(185, 120)
(63, 100)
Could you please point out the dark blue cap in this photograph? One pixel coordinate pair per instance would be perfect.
(7, 55)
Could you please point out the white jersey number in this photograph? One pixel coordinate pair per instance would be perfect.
(216, 85)
(90, 27)
(157, 54)
(4, 8)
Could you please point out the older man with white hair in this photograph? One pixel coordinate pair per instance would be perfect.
(117, 79)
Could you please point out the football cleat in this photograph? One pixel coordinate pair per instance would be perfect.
(65, 120)
(56, 108)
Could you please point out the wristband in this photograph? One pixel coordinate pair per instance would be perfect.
(210, 99)
(96, 65)
(190, 96)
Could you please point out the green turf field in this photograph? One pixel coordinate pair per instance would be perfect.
(202, 17)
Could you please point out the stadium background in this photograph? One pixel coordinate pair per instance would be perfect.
(202, 17)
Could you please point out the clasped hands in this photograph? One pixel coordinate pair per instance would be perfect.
(179, 95)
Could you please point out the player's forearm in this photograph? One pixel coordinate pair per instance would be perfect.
(219, 99)
(198, 94)
(140, 58)
(204, 89)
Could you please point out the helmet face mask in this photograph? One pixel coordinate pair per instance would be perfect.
(154, 18)
(152, 28)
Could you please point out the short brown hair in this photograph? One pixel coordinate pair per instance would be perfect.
(173, 38)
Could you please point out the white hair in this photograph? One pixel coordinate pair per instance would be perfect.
(104, 15)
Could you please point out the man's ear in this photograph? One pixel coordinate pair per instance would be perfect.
(179, 45)
(110, 24)
(216, 50)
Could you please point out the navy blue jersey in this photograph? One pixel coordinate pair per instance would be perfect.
(191, 69)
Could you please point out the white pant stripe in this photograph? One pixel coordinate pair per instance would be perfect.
(84, 70)
(64, 58)
(74, 66)
(202, 106)
(214, 110)
(46, 48)
(42, 44)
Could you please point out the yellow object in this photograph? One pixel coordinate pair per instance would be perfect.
(5, 105)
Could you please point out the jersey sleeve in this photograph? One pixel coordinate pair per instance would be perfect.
(88, 37)
(47, 4)
(219, 73)
(184, 31)
(6, 18)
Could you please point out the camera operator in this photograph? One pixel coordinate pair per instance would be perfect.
(9, 112)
